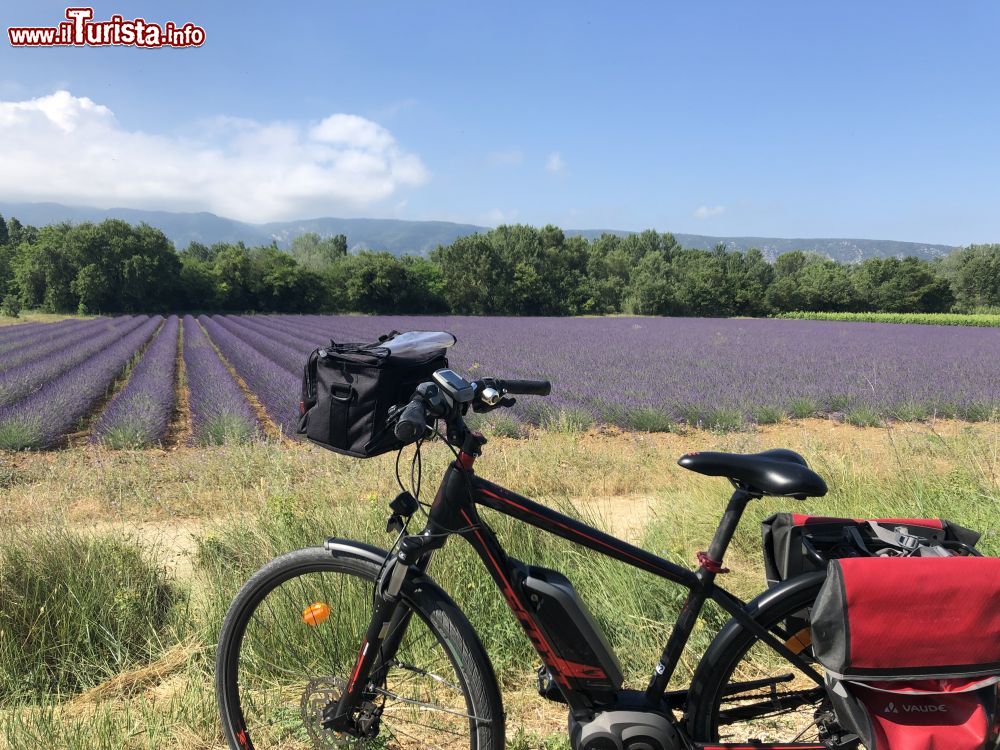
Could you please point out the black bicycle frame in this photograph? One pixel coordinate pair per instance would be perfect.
(454, 511)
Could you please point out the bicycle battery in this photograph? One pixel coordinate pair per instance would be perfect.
(583, 656)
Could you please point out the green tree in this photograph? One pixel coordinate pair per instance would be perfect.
(426, 284)
(316, 253)
(900, 285)
(44, 269)
(975, 276)
(748, 277)
(234, 282)
(377, 283)
(810, 281)
(199, 289)
(650, 288)
(825, 286)
(199, 252)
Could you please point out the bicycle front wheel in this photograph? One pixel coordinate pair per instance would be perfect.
(290, 640)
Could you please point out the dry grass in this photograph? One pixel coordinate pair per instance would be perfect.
(40, 317)
(131, 683)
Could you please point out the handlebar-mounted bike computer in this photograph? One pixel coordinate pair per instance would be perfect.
(458, 388)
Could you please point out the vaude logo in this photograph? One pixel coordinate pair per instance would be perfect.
(916, 708)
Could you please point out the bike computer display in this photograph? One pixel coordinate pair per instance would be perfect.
(460, 389)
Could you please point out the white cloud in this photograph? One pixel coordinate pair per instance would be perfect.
(505, 158)
(496, 216)
(707, 212)
(555, 163)
(71, 149)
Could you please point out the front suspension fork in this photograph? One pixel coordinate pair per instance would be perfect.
(389, 622)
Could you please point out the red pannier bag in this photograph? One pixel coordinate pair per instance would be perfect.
(911, 648)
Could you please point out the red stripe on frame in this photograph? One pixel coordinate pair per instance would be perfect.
(568, 528)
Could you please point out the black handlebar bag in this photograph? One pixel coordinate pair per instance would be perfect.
(349, 391)
(911, 648)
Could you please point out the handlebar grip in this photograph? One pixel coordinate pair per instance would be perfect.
(412, 422)
(528, 387)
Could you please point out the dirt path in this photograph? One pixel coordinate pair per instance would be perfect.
(173, 543)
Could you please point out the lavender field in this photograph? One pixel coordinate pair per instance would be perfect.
(641, 373)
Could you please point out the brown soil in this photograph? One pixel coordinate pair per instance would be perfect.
(179, 430)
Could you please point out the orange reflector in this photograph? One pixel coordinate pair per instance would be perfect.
(800, 641)
(316, 613)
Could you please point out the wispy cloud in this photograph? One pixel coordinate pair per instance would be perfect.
(67, 148)
(505, 158)
(498, 216)
(555, 163)
(707, 212)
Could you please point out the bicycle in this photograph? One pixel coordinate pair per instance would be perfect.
(403, 667)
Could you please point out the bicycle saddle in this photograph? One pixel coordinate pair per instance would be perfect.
(774, 472)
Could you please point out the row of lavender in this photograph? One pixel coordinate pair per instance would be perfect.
(53, 377)
(656, 371)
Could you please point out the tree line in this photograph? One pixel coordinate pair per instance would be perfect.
(114, 267)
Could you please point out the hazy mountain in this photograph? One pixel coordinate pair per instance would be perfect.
(420, 237)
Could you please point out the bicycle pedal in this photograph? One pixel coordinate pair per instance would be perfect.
(547, 687)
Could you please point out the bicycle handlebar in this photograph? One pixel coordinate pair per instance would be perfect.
(412, 424)
(430, 401)
(526, 387)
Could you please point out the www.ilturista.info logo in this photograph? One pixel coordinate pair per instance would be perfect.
(80, 30)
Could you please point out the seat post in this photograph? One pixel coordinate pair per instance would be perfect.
(724, 534)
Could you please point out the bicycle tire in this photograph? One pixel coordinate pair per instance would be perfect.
(430, 605)
(728, 651)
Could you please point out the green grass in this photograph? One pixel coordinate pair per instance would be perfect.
(801, 408)
(19, 434)
(226, 429)
(863, 416)
(982, 320)
(768, 415)
(33, 316)
(76, 610)
(568, 420)
(649, 420)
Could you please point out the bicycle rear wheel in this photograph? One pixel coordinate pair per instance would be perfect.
(290, 640)
(743, 691)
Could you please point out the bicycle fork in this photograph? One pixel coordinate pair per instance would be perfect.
(389, 622)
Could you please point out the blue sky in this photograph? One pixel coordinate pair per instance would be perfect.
(847, 119)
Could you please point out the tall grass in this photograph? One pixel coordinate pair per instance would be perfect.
(75, 610)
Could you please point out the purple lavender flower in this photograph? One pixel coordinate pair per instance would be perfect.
(263, 340)
(277, 388)
(27, 377)
(13, 337)
(43, 343)
(220, 412)
(39, 419)
(714, 372)
(139, 414)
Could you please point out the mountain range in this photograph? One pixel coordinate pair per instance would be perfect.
(420, 237)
